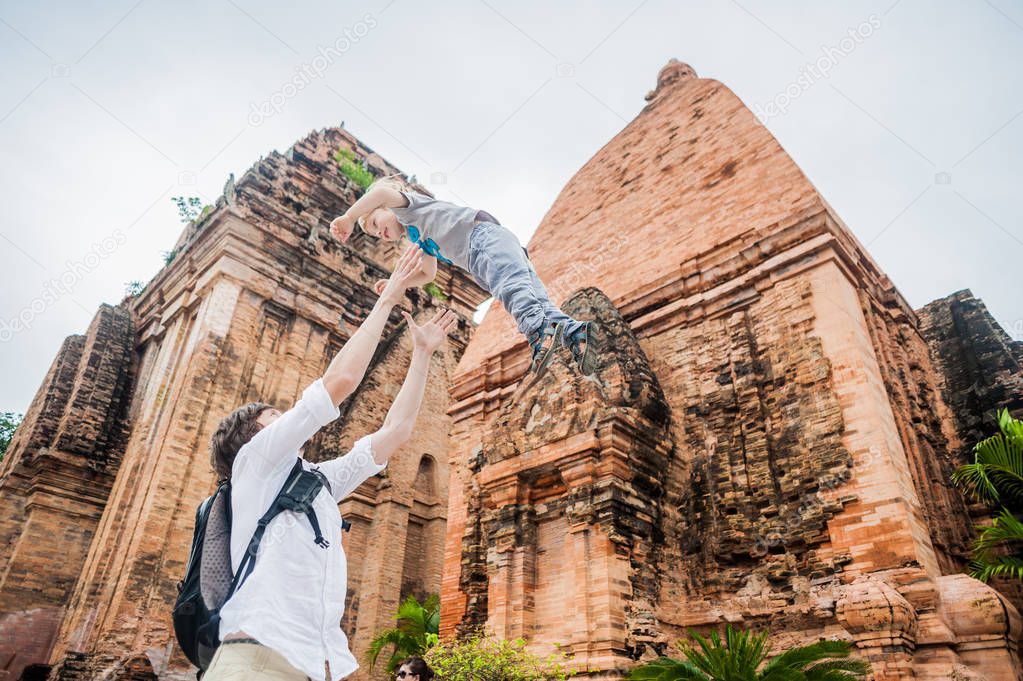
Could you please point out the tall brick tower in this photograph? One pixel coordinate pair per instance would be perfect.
(100, 485)
(767, 440)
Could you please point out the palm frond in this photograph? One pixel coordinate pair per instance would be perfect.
(1005, 528)
(1010, 427)
(667, 669)
(974, 480)
(708, 657)
(387, 637)
(837, 675)
(996, 475)
(800, 657)
(984, 567)
(781, 674)
(838, 670)
(821, 661)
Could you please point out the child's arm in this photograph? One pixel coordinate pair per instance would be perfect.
(426, 274)
(377, 197)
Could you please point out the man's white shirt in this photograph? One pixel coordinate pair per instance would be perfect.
(294, 599)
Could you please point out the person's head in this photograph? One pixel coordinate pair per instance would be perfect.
(413, 669)
(382, 223)
(234, 431)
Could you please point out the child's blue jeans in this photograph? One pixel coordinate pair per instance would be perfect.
(499, 264)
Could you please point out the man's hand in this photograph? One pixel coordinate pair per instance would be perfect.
(342, 227)
(403, 276)
(428, 337)
(379, 286)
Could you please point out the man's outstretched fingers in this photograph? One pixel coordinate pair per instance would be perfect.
(410, 253)
(410, 261)
(411, 271)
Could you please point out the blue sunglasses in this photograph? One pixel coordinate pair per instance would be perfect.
(428, 245)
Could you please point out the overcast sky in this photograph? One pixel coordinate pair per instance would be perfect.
(108, 109)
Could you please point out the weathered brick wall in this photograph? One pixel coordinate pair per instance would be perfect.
(257, 300)
(56, 477)
(981, 371)
(926, 428)
(566, 489)
(804, 484)
(36, 430)
(765, 464)
(981, 365)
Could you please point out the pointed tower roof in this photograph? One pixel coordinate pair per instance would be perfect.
(693, 179)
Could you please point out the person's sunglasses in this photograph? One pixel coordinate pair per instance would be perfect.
(402, 674)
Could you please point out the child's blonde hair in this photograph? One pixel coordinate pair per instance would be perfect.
(395, 181)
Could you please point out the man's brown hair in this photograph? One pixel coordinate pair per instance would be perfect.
(233, 432)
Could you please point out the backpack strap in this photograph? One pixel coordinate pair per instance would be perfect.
(345, 524)
(320, 541)
(248, 563)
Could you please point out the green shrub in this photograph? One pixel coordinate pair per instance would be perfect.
(435, 291)
(352, 169)
(191, 209)
(488, 659)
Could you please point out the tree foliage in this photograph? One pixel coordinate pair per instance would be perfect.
(416, 631)
(996, 477)
(9, 422)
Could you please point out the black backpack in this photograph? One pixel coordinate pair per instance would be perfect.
(209, 581)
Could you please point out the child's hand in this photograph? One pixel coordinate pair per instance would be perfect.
(342, 227)
(404, 275)
(428, 337)
(379, 286)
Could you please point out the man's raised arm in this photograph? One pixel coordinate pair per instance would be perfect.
(401, 417)
(370, 454)
(276, 443)
(348, 368)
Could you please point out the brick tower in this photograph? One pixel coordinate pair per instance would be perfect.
(768, 437)
(102, 480)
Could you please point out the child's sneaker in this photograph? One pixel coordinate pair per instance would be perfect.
(544, 342)
(580, 344)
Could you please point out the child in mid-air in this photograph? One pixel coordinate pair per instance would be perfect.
(475, 241)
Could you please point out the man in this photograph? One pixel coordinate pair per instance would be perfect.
(283, 621)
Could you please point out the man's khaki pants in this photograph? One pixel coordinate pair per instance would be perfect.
(242, 661)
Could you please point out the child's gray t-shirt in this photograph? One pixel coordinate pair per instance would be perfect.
(449, 225)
